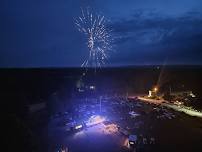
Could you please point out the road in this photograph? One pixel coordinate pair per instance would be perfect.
(173, 106)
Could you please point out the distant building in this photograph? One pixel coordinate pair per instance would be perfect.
(152, 94)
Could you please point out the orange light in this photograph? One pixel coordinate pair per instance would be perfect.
(155, 89)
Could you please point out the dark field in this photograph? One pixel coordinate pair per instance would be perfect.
(35, 130)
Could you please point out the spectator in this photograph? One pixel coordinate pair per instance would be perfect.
(152, 140)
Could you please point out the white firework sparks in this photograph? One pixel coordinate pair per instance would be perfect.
(99, 39)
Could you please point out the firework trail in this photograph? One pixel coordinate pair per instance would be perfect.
(99, 39)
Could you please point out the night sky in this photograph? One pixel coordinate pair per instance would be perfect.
(41, 33)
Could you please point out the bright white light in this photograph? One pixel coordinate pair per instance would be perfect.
(78, 127)
(92, 87)
(133, 114)
(95, 119)
(192, 95)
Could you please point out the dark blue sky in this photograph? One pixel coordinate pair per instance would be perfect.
(41, 33)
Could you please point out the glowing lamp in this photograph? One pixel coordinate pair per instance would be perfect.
(78, 127)
(155, 89)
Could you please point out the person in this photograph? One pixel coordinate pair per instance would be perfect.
(144, 140)
(140, 139)
(152, 140)
(64, 149)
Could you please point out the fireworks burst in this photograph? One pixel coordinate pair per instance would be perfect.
(99, 39)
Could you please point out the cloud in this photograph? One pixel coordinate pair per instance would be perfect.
(148, 32)
(158, 28)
